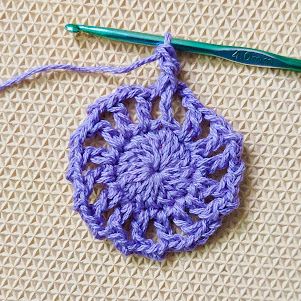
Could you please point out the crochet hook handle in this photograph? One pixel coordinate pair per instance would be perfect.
(242, 55)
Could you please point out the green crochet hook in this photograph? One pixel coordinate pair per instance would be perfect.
(242, 55)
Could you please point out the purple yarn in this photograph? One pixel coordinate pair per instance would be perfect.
(154, 172)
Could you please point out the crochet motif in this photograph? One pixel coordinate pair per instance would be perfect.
(156, 173)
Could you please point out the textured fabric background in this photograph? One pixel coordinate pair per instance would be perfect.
(46, 251)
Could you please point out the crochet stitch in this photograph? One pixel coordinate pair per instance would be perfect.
(156, 185)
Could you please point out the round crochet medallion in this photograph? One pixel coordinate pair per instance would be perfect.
(154, 185)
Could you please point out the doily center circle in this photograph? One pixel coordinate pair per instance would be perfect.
(155, 167)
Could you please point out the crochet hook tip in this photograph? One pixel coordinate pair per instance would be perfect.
(72, 28)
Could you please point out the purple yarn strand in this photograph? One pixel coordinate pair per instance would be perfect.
(81, 69)
(161, 186)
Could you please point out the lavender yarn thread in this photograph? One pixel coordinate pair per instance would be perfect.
(154, 172)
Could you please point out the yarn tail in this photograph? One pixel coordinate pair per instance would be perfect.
(85, 69)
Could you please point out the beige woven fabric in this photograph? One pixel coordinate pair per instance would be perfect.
(46, 251)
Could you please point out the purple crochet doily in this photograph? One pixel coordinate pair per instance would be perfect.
(155, 173)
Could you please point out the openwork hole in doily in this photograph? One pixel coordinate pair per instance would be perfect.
(155, 112)
(153, 170)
